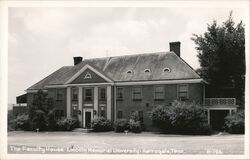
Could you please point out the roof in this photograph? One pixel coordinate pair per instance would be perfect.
(116, 69)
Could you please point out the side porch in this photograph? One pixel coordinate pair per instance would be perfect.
(217, 109)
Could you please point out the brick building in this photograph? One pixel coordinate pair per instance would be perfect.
(114, 87)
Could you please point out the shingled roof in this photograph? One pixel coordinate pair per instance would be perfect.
(116, 69)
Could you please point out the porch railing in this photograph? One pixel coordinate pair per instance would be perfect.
(220, 101)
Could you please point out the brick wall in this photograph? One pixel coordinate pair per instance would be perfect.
(148, 102)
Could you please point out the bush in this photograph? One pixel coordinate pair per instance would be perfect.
(101, 125)
(135, 126)
(22, 122)
(121, 125)
(181, 118)
(235, 123)
(67, 124)
(134, 123)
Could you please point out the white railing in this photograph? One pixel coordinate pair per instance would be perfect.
(20, 105)
(220, 101)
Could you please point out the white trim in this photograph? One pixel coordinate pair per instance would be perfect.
(109, 102)
(83, 84)
(83, 69)
(160, 82)
(222, 108)
(35, 90)
(130, 83)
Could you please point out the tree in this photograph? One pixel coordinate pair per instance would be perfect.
(41, 112)
(221, 53)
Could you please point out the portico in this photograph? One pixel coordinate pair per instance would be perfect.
(91, 102)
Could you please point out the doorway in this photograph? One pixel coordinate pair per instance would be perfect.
(87, 119)
(217, 119)
(87, 115)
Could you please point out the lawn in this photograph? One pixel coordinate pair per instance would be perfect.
(121, 143)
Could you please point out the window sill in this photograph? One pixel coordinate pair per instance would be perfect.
(158, 99)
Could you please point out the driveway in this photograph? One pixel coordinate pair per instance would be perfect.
(121, 143)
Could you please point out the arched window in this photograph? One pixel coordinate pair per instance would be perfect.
(129, 72)
(147, 71)
(87, 76)
(166, 70)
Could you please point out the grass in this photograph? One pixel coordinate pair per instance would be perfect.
(107, 142)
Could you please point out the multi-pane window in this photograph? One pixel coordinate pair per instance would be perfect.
(88, 94)
(140, 115)
(119, 92)
(59, 113)
(74, 94)
(159, 93)
(59, 95)
(119, 114)
(102, 113)
(183, 91)
(102, 93)
(137, 91)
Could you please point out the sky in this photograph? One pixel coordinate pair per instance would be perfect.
(41, 40)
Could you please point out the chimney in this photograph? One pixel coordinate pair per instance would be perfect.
(175, 47)
(77, 60)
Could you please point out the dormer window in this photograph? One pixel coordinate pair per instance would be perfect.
(166, 70)
(147, 71)
(88, 76)
(129, 72)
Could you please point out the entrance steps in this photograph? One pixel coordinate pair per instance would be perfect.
(82, 130)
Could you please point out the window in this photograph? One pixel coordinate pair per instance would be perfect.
(102, 113)
(102, 93)
(119, 92)
(147, 71)
(74, 94)
(88, 94)
(119, 114)
(137, 93)
(183, 91)
(159, 93)
(129, 72)
(59, 113)
(140, 115)
(87, 76)
(59, 95)
(167, 70)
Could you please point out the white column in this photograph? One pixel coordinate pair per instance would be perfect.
(96, 101)
(109, 102)
(80, 104)
(230, 112)
(204, 96)
(114, 103)
(208, 116)
(68, 102)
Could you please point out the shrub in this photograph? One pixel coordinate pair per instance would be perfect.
(135, 126)
(22, 122)
(134, 123)
(101, 125)
(67, 124)
(121, 125)
(181, 118)
(235, 123)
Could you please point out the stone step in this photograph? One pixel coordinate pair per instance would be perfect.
(82, 130)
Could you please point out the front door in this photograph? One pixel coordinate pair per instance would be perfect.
(88, 119)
